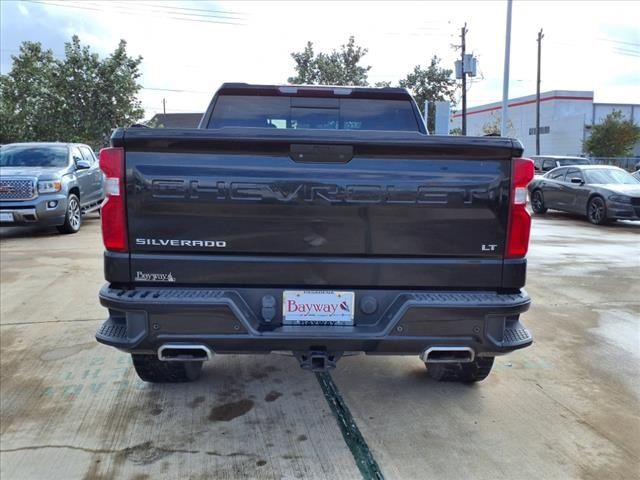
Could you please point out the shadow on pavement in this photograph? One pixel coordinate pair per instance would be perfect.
(37, 231)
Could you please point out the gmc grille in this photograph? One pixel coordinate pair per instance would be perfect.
(17, 189)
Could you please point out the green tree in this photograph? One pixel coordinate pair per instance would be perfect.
(78, 75)
(431, 84)
(80, 98)
(28, 100)
(306, 68)
(614, 137)
(495, 124)
(340, 67)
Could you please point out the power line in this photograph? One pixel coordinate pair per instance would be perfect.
(157, 89)
(158, 9)
(626, 53)
(152, 106)
(17, 50)
(91, 7)
(121, 11)
(174, 90)
(158, 109)
(184, 8)
(614, 50)
(632, 44)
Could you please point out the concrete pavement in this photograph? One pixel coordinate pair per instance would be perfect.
(568, 407)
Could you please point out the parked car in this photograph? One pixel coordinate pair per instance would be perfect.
(546, 163)
(49, 184)
(317, 220)
(603, 193)
(636, 175)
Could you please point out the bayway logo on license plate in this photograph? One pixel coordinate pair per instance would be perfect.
(317, 308)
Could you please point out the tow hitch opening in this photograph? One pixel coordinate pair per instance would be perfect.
(317, 361)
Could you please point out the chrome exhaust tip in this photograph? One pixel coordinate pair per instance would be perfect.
(184, 352)
(448, 355)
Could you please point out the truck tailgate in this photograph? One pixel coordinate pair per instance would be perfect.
(390, 198)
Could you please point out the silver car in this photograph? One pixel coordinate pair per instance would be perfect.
(49, 184)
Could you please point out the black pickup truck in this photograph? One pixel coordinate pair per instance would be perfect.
(318, 221)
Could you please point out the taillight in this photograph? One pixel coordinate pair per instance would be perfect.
(113, 213)
(519, 218)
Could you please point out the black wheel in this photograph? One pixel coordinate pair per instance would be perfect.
(537, 202)
(597, 211)
(150, 369)
(470, 372)
(73, 217)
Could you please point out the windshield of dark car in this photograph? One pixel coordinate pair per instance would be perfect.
(33, 156)
(572, 161)
(609, 175)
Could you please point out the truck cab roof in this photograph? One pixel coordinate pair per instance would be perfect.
(337, 91)
(313, 107)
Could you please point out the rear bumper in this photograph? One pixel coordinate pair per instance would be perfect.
(141, 320)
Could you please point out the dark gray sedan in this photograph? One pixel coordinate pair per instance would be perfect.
(602, 193)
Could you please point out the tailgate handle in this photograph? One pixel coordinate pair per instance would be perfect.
(304, 153)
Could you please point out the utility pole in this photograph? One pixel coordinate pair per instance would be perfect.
(540, 37)
(465, 66)
(464, 81)
(164, 105)
(505, 78)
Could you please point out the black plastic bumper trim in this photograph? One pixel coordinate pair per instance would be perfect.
(223, 319)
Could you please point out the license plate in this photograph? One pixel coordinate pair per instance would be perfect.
(6, 217)
(317, 308)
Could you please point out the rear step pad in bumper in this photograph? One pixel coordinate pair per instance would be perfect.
(515, 334)
(150, 296)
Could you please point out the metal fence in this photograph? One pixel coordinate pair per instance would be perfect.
(630, 164)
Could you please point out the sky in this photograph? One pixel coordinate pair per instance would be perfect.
(191, 47)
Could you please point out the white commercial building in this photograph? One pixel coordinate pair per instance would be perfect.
(565, 119)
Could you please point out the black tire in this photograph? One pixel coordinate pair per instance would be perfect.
(537, 202)
(470, 372)
(152, 370)
(597, 210)
(73, 217)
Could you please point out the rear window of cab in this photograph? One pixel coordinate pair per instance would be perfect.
(313, 113)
